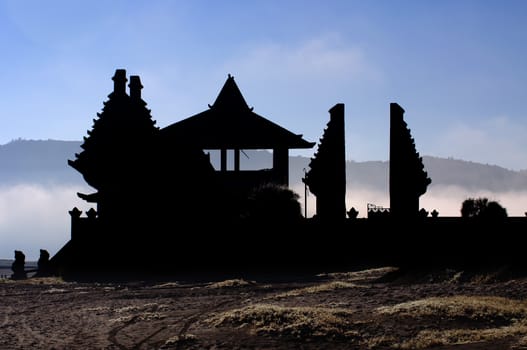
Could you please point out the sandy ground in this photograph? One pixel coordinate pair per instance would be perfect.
(353, 310)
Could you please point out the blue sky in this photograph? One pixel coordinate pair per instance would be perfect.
(458, 68)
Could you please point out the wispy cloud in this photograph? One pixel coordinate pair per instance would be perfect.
(322, 57)
(295, 83)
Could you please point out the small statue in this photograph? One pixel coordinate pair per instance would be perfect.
(43, 263)
(18, 266)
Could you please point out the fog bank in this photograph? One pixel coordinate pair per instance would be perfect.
(34, 217)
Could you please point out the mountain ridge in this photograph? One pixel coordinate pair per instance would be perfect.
(45, 162)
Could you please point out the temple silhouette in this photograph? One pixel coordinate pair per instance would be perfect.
(231, 126)
(155, 185)
(162, 207)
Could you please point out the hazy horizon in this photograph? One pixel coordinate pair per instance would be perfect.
(34, 205)
(304, 153)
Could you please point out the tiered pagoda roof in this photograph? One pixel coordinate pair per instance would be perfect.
(231, 124)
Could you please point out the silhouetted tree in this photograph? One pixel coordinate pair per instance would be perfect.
(482, 208)
(274, 203)
(495, 211)
(472, 207)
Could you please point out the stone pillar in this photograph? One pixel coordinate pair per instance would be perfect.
(281, 165)
(237, 159)
(223, 159)
(75, 214)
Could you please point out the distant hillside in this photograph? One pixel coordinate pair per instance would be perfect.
(473, 175)
(45, 162)
(443, 171)
(42, 162)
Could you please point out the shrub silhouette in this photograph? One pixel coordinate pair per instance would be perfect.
(273, 203)
(482, 208)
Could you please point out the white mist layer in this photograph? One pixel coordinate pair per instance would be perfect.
(446, 200)
(34, 217)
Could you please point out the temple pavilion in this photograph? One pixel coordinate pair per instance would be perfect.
(231, 126)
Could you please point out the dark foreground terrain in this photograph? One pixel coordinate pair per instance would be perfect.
(365, 309)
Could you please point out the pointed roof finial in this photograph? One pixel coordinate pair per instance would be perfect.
(230, 96)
